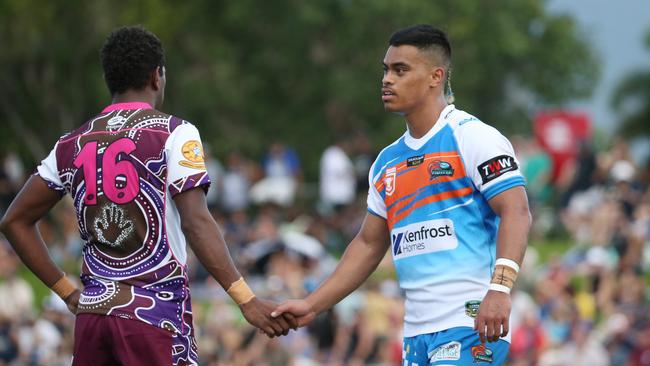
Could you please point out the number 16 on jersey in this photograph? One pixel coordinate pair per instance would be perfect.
(120, 178)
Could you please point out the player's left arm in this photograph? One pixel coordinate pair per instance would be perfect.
(19, 225)
(512, 208)
(492, 320)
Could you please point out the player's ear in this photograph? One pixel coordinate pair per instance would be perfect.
(437, 76)
(157, 77)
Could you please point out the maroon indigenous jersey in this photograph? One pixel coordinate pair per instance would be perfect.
(122, 169)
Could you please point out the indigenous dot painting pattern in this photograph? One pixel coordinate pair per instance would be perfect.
(122, 168)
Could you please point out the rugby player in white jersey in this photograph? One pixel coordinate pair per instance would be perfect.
(448, 200)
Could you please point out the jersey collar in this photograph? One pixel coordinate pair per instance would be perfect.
(416, 144)
(129, 105)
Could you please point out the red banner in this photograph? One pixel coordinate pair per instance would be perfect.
(560, 132)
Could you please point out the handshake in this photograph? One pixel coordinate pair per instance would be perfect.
(276, 320)
(267, 316)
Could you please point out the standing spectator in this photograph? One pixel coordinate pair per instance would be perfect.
(215, 171)
(584, 172)
(363, 157)
(282, 161)
(236, 183)
(13, 166)
(536, 166)
(337, 177)
(282, 176)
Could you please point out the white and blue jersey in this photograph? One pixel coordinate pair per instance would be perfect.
(433, 193)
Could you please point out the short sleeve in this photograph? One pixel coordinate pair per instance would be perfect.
(489, 158)
(376, 204)
(49, 172)
(185, 160)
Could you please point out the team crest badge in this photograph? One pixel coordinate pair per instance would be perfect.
(481, 353)
(390, 180)
(440, 168)
(471, 308)
(193, 152)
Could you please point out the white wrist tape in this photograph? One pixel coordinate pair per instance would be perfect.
(507, 262)
(504, 276)
(500, 288)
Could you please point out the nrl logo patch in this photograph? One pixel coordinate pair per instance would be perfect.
(390, 180)
(471, 308)
(440, 168)
(115, 123)
(447, 352)
(481, 354)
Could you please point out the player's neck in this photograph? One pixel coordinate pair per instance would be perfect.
(131, 96)
(423, 119)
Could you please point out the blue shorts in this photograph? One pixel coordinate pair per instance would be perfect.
(459, 346)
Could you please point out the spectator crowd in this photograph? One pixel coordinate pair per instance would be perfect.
(582, 297)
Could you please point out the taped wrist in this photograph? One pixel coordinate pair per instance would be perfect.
(504, 276)
(64, 287)
(240, 292)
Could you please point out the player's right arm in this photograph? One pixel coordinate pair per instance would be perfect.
(19, 225)
(187, 180)
(360, 259)
(206, 241)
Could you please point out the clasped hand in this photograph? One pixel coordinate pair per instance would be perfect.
(258, 313)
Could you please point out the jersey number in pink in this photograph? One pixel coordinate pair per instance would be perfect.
(120, 178)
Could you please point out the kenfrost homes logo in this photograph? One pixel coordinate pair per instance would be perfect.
(423, 237)
(447, 352)
(496, 167)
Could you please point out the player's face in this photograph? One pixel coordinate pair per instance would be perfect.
(409, 79)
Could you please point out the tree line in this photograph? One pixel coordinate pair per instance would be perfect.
(306, 73)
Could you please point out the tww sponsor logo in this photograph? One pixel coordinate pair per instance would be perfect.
(496, 167)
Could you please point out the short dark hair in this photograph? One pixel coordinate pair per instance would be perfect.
(424, 37)
(128, 57)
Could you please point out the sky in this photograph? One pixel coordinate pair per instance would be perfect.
(616, 30)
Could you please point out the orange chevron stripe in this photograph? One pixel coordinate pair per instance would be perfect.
(392, 218)
(410, 182)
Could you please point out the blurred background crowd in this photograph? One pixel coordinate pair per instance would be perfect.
(286, 96)
(582, 293)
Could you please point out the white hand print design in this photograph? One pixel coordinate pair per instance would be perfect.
(114, 218)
